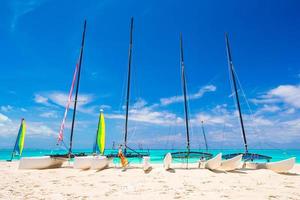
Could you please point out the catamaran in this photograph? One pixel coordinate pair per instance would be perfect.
(247, 156)
(56, 160)
(188, 153)
(281, 166)
(129, 152)
(19, 144)
(96, 161)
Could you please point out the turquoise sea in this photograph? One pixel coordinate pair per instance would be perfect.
(158, 154)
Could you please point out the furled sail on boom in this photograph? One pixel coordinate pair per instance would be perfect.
(99, 145)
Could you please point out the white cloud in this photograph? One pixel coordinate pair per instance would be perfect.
(9, 127)
(3, 118)
(287, 94)
(264, 100)
(49, 114)
(105, 107)
(21, 8)
(6, 108)
(199, 94)
(41, 99)
(162, 139)
(290, 111)
(60, 99)
(259, 121)
(140, 112)
(209, 119)
(269, 108)
(23, 110)
(40, 129)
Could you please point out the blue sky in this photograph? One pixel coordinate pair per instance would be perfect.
(40, 43)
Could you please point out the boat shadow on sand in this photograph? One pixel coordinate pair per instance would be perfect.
(227, 172)
(289, 174)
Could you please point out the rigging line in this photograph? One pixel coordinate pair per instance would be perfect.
(123, 93)
(256, 131)
(223, 137)
(132, 132)
(204, 135)
(232, 96)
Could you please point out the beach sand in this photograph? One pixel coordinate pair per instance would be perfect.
(158, 184)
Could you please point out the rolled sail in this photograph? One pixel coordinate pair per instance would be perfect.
(100, 137)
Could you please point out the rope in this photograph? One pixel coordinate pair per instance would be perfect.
(255, 130)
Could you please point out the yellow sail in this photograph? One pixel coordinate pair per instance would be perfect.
(101, 134)
(22, 137)
(19, 145)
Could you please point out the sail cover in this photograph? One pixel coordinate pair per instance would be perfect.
(62, 126)
(19, 145)
(99, 145)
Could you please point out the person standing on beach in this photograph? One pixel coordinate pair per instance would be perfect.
(124, 161)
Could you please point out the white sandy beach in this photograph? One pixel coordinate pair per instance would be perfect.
(112, 183)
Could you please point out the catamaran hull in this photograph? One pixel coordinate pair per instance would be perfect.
(42, 162)
(231, 164)
(281, 166)
(214, 163)
(99, 162)
(90, 162)
(82, 162)
(254, 165)
(167, 161)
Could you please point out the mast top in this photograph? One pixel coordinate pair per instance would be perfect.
(83, 34)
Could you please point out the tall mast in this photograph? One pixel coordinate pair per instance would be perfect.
(128, 85)
(204, 135)
(77, 88)
(230, 65)
(185, 96)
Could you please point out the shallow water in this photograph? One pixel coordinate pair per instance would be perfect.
(157, 155)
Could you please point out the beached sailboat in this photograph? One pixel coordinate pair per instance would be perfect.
(188, 153)
(129, 152)
(281, 166)
(19, 144)
(56, 160)
(246, 155)
(96, 161)
(231, 163)
(213, 163)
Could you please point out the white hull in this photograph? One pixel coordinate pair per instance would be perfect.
(41, 162)
(167, 161)
(99, 162)
(214, 163)
(253, 165)
(231, 164)
(82, 162)
(281, 166)
(146, 163)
